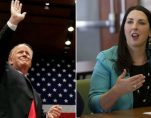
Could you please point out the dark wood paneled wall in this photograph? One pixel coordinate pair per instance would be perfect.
(108, 39)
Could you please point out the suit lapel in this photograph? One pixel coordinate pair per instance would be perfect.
(36, 98)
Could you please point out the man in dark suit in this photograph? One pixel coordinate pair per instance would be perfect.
(18, 99)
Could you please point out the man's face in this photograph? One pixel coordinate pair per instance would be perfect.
(21, 58)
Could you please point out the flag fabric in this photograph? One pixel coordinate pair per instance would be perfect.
(54, 80)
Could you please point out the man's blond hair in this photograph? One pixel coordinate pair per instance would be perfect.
(14, 49)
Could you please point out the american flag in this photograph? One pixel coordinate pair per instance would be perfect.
(54, 80)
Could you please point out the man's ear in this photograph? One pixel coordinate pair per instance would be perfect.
(10, 61)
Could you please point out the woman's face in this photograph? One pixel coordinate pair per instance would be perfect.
(137, 29)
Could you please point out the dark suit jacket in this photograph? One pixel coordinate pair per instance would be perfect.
(16, 91)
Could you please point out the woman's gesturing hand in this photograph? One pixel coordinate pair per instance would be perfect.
(124, 85)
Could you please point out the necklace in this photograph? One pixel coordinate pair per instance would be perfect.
(142, 96)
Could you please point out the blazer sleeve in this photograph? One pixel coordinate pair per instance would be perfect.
(5, 38)
(100, 83)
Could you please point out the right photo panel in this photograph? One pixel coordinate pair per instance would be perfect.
(113, 58)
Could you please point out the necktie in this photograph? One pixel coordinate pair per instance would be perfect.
(32, 112)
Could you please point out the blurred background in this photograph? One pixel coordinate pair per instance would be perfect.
(98, 24)
(45, 26)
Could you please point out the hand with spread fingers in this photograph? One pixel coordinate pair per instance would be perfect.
(125, 85)
(54, 112)
(16, 15)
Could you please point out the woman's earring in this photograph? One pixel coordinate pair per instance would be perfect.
(149, 42)
(149, 53)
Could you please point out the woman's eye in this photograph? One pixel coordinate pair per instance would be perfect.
(142, 23)
(129, 22)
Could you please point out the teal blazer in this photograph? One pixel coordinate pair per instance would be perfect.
(103, 78)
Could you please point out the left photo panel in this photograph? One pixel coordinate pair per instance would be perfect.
(38, 59)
